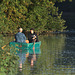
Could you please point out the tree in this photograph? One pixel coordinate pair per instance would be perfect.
(12, 12)
(39, 14)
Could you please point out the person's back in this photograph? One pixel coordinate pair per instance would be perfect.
(20, 37)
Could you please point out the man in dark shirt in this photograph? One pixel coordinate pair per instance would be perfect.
(32, 36)
(20, 37)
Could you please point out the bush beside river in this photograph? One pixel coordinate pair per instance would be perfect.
(8, 61)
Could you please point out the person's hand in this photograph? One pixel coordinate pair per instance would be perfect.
(14, 39)
(34, 37)
(27, 41)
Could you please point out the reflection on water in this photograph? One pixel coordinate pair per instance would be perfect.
(57, 56)
(67, 56)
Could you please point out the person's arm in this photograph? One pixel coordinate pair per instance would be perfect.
(36, 38)
(24, 36)
(27, 41)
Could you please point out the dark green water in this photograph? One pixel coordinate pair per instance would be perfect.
(57, 56)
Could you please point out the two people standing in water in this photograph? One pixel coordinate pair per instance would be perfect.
(21, 38)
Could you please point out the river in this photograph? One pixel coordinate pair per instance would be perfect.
(57, 56)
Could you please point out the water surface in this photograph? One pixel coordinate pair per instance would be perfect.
(57, 56)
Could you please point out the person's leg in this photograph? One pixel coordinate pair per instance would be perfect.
(20, 61)
(32, 62)
(23, 58)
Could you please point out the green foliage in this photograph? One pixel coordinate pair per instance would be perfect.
(55, 23)
(8, 63)
(39, 14)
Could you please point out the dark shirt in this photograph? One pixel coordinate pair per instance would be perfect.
(30, 36)
(20, 37)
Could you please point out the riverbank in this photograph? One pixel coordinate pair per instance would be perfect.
(43, 32)
(57, 32)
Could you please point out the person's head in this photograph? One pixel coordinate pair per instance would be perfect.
(20, 29)
(32, 30)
